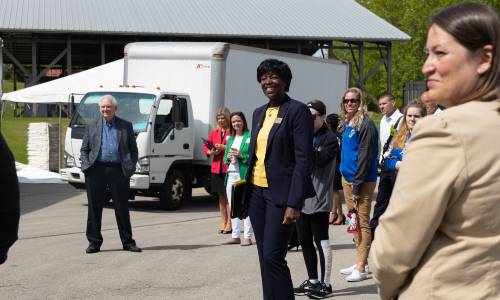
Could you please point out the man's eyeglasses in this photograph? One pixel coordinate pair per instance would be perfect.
(345, 101)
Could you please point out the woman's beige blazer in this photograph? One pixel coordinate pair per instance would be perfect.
(440, 236)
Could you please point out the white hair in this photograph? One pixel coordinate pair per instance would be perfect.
(110, 97)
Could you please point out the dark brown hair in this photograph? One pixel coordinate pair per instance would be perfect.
(388, 96)
(242, 116)
(474, 26)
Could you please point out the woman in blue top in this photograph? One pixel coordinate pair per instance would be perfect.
(412, 113)
(359, 173)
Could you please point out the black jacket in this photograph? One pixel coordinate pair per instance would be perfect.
(9, 200)
(288, 159)
(326, 148)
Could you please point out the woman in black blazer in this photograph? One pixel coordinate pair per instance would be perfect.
(279, 174)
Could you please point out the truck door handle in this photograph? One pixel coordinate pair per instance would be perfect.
(185, 146)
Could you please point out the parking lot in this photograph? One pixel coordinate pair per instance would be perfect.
(183, 256)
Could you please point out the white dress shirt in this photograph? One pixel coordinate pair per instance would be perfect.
(385, 126)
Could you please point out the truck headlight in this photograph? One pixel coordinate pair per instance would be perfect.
(69, 161)
(142, 165)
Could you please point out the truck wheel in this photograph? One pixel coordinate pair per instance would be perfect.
(173, 192)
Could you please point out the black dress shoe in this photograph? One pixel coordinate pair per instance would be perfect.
(132, 248)
(92, 249)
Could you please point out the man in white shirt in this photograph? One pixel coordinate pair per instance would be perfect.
(387, 105)
(392, 118)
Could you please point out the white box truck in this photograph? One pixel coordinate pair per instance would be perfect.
(170, 93)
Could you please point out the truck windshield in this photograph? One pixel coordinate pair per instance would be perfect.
(133, 107)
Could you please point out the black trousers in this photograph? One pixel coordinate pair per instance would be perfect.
(313, 228)
(98, 178)
(385, 186)
(272, 242)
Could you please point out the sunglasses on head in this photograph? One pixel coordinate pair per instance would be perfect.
(345, 101)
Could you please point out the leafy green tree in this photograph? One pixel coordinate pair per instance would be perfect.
(410, 16)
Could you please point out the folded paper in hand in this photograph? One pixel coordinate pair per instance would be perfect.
(208, 144)
(237, 191)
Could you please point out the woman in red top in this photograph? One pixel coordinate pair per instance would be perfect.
(218, 138)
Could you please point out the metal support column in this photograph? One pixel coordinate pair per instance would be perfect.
(34, 63)
(14, 78)
(69, 67)
(361, 65)
(299, 48)
(103, 52)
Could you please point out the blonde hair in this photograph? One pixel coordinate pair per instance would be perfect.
(359, 116)
(402, 135)
(223, 111)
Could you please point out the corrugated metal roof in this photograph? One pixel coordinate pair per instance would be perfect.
(290, 19)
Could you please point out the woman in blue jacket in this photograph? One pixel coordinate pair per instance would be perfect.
(412, 113)
(359, 173)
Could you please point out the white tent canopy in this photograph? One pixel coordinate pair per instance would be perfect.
(59, 90)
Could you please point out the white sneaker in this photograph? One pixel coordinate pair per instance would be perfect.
(356, 276)
(348, 271)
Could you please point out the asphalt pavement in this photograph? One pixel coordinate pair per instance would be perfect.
(183, 256)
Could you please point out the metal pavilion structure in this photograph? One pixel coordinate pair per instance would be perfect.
(39, 35)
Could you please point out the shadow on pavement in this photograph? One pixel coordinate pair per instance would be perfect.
(177, 247)
(165, 247)
(356, 290)
(153, 205)
(343, 246)
(38, 196)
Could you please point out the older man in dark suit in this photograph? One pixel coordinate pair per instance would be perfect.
(109, 156)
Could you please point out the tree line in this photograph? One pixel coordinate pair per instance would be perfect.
(412, 17)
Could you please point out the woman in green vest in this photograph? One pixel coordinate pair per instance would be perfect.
(236, 157)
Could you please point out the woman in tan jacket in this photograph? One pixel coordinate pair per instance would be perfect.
(440, 236)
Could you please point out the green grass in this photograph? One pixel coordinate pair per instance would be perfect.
(8, 86)
(15, 132)
(376, 117)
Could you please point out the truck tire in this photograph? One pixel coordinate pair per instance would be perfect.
(173, 192)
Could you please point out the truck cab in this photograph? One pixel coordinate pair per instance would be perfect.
(163, 125)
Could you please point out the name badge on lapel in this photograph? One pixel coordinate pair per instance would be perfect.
(278, 120)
